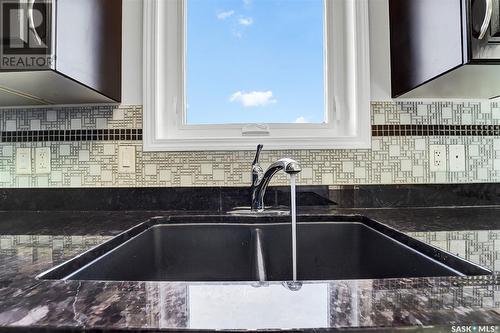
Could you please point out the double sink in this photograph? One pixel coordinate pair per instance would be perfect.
(229, 248)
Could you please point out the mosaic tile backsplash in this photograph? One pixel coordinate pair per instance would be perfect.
(84, 143)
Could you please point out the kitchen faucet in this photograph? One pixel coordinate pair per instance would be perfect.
(261, 179)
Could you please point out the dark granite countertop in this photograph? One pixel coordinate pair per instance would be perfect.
(425, 219)
(32, 242)
(111, 223)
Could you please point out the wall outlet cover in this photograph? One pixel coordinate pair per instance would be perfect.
(437, 158)
(42, 160)
(23, 161)
(457, 158)
(126, 159)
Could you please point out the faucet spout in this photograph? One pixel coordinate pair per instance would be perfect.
(259, 184)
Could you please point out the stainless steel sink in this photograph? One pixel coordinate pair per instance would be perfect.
(178, 253)
(250, 249)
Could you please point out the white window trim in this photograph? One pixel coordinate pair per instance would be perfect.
(163, 65)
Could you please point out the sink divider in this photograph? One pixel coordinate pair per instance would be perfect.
(259, 261)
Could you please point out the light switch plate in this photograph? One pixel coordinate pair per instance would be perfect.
(457, 158)
(126, 159)
(23, 161)
(42, 160)
(437, 158)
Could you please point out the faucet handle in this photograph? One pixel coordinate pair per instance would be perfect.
(257, 154)
(257, 172)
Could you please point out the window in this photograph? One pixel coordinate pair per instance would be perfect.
(254, 61)
(228, 74)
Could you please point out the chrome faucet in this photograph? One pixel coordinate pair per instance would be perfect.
(261, 179)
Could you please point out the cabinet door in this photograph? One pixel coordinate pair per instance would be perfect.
(89, 39)
(426, 41)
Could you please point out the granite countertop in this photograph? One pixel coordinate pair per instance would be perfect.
(32, 242)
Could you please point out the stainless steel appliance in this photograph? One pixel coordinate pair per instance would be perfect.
(485, 29)
(445, 48)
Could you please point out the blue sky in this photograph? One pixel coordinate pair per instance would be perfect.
(254, 61)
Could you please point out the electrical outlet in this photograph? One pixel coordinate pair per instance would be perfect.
(126, 159)
(42, 160)
(23, 161)
(457, 157)
(437, 157)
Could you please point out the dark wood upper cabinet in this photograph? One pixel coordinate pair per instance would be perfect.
(445, 48)
(61, 52)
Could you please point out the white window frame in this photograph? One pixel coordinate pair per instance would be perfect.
(347, 88)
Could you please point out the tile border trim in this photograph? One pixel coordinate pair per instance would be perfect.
(435, 130)
(135, 134)
(116, 134)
